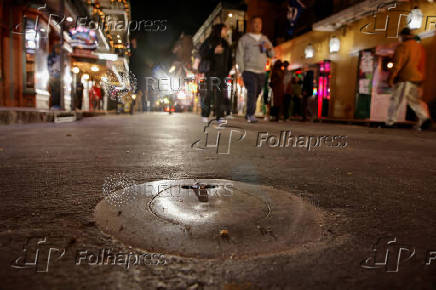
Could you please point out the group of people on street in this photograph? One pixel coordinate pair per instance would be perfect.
(253, 50)
(290, 92)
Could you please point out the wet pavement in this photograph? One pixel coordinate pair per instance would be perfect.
(363, 184)
(210, 219)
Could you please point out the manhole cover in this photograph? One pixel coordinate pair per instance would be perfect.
(208, 218)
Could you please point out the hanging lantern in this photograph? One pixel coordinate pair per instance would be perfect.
(414, 19)
(335, 44)
(308, 51)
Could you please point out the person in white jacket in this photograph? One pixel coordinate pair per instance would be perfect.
(253, 50)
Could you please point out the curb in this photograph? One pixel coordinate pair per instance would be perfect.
(27, 116)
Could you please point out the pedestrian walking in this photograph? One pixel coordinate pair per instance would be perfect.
(253, 50)
(287, 94)
(95, 97)
(307, 92)
(406, 77)
(79, 93)
(216, 63)
(54, 68)
(277, 85)
(296, 97)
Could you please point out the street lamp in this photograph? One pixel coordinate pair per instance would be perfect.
(335, 44)
(95, 68)
(414, 19)
(76, 70)
(308, 51)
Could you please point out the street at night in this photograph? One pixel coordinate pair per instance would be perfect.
(368, 190)
(206, 144)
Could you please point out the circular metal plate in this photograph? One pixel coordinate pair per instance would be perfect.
(208, 218)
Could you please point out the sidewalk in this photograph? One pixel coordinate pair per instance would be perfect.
(344, 121)
(366, 122)
(22, 115)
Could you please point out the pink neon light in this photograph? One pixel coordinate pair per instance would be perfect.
(320, 95)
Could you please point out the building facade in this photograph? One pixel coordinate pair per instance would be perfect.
(350, 53)
(50, 51)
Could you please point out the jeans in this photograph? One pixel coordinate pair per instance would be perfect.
(214, 93)
(253, 82)
(410, 92)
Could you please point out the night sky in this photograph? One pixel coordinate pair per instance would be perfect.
(186, 16)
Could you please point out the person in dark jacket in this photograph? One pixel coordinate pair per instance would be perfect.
(54, 68)
(216, 51)
(287, 95)
(277, 86)
(406, 77)
(79, 93)
(307, 93)
(294, 89)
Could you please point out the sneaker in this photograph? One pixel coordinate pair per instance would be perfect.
(222, 121)
(252, 119)
(205, 120)
(426, 124)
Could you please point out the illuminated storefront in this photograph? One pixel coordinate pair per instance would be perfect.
(28, 47)
(355, 86)
(39, 51)
(36, 53)
(373, 92)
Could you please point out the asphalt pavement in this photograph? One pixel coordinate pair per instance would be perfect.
(374, 188)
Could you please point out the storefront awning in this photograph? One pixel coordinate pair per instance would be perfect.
(353, 13)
